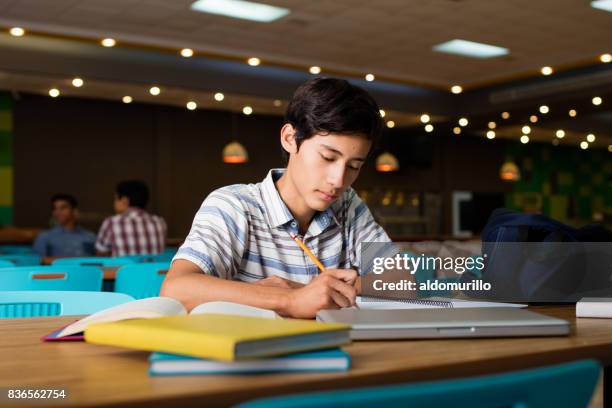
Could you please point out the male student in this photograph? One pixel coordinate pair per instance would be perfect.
(240, 247)
(66, 238)
(132, 231)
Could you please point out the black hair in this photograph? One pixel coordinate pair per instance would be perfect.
(64, 197)
(332, 105)
(135, 190)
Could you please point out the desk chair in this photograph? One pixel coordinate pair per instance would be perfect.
(100, 261)
(6, 264)
(16, 250)
(141, 280)
(51, 278)
(568, 385)
(57, 303)
(21, 259)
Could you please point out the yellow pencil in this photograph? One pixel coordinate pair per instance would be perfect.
(307, 251)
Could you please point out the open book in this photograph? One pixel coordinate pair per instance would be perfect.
(154, 307)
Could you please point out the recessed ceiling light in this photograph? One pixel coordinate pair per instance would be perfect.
(505, 115)
(54, 92)
(108, 42)
(526, 129)
(219, 97)
(247, 110)
(429, 128)
(602, 4)
(456, 89)
(191, 105)
(127, 99)
(277, 103)
(524, 139)
(572, 112)
(253, 61)
(597, 101)
(425, 118)
(490, 134)
(457, 130)
(370, 77)
(544, 109)
(463, 122)
(605, 58)
(590, 138)
(314, 70)
(390, 124)
(546, 70)
(246, 10)
(584, 145)
(533, 118)
(17, 32)
(471, 49)
(154, 90)
(492, 125)
(382, 113)
(187, 52)
(560, 133)
(610, 148)
(77, 82)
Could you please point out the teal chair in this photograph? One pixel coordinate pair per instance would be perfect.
(21, 259)
(141, 280)
(6, 264)
(72, 277)
(567, 385)
(57, 303)
(151, 258)
(100, 261)
(16, 250)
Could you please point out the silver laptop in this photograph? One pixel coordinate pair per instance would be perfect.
(443, 323)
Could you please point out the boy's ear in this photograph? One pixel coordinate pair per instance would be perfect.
(287, 138)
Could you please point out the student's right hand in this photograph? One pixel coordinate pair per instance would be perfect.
(330, 290)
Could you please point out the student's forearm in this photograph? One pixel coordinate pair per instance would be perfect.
(194, 289)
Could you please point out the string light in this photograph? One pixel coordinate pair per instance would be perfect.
(572, 113)
(370, 77)
(605, 58)
(456, 89)
(108, 42)
(546, 70)
(390, 124)
(597, 101)
(191, 105)
(154, 90)
(429, 128)
(533, 118)
(247, 110)
(457, 130)
(127, 99)
(584, 145)
(590, 138)
(463, 122)
(314, 70)
(187, 52)
(253, 61)
(544, 109)
(425, 118)
(219, 97)
(54, 92)
(492, 125)
(524, 139)
(17, 32)
(505, 115)
(490, 134)
(560, 133)
(526, 130)
(77, 82)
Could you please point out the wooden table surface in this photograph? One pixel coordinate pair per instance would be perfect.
(105, 376)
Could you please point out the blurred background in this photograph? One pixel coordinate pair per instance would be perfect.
(486, 103)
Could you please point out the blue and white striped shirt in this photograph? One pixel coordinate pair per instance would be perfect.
(242, 232)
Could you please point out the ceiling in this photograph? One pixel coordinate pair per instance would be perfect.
(392, 39)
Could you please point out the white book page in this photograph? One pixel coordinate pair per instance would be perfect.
(138, 309)
(234, 309)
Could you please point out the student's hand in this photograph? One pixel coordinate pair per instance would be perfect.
(278, 282)
(330, 290)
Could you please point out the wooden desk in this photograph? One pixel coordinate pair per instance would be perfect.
(105, 376)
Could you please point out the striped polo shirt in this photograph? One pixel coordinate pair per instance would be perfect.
(242, 232)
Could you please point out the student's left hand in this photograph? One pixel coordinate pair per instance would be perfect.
(279, 282)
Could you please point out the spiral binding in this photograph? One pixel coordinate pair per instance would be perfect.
(438, 303)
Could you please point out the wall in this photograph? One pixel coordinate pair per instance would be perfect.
(6, 159)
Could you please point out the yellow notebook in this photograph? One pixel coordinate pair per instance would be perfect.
(220, 337)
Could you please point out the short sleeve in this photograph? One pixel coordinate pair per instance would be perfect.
(41, 246)
(218, 235)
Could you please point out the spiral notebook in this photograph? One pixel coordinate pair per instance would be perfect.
(377, 303)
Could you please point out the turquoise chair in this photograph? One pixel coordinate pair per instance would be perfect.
(567, 385)
(17, 250)
(57, 303)
(6, 264)
(141, 280)
(100, 261)
(72, 277)
(21, 259)
(151, 258)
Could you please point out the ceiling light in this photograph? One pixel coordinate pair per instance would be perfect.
(584, 145)
(387, 162)
(544, 109)
(390, 124)
(154, 90)
(108, 42)
(572, 113)
(253, 61)
(471, 49)
(533, 118)
(127, 99)
(456, 89)
(425, 118)
(490, 134)
(219, 97)
(457, 130)
(17, 32)
(54, 92)
(597, 101)
(610, 148)
(463, 122)
(605, 5)
(526, 129)
(505, 115)
(560, 133)
(429, 128)
(77, 82)
(246, 10)
(524, 139)
(370, 77)
(247, 110)
(492, 125)
(277, 103)
(605, 58)
(382, 113)
(187, 52)
(314, 70)
(590, 138)
(191, 105)
(546, 70)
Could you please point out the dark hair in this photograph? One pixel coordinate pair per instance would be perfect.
(136, 191)
(332, 105)
(64, 197)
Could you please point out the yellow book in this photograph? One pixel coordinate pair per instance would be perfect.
(219, 336)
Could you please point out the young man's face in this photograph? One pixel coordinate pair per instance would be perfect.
(121, 204)
(326, 165)
(63, 212)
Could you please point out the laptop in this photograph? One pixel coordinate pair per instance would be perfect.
(445, 323)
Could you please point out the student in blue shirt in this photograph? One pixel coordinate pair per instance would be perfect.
(66, 239)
